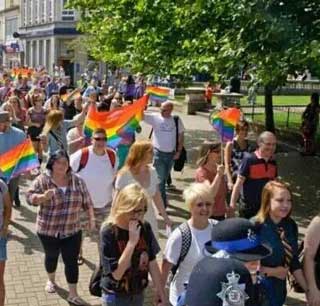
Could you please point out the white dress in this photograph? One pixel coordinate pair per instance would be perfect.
(127, 178)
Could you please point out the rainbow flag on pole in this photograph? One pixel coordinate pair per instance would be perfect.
(71, 95)
(21, 158)
(224, 122)
(118, 123)
(158, 94)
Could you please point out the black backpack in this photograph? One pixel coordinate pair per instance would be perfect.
(185, 246)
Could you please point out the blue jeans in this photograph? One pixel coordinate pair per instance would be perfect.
(114, 300)
(163, 163)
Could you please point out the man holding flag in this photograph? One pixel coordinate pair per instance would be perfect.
(166, 148)
(10, 137)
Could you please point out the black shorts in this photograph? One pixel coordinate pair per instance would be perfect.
(34, 132)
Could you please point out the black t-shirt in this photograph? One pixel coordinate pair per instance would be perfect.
(113, 243)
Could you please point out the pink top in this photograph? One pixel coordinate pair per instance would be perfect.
(219, 208)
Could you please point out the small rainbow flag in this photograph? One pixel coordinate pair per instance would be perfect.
(71, 95)
(158, 94)
(224, 122)
(19, 159)
(118, 123)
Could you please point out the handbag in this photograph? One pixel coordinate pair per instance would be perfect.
(94, 283)
(179, 163)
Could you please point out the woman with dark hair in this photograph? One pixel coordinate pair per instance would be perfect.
(235, 151)
(210, 169)
(281, 232)
(36, 117)
(310, 121)
(61, 196)
(130, 89)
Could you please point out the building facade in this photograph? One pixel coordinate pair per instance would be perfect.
(46, 30)
(11, 52)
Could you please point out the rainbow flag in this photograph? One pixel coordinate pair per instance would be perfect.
(71, 95)
(158, 94)
(118, 123)
(224, 122)
(19, 159)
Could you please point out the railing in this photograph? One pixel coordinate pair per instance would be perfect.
(284, 115)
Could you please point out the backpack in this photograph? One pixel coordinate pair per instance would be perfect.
(185, 246)
(85, 157)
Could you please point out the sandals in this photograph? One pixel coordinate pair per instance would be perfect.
(50, 287)
(80, 260)
(77, 301)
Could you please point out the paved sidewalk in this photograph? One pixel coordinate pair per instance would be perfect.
(25, 275)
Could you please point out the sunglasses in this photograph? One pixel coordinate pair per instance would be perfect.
(204, 204)
(99, 138)
(140, 211)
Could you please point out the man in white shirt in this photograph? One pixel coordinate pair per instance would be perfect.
(97, 166)
(166, 148)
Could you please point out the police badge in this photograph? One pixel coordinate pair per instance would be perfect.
(233, 293)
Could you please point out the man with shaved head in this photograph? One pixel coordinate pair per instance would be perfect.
(255, 171)
(166, 147)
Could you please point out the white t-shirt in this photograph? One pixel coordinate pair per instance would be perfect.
(195, 254)
(164, 131)
(98, 175)
(127, 178)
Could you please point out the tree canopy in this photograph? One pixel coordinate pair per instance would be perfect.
(219, 37)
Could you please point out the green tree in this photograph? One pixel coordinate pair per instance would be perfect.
(219, 37)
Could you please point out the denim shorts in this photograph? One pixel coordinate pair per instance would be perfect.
(3, 249)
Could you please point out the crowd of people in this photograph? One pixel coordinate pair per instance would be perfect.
(213, 258)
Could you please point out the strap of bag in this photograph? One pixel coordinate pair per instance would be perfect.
(60, 143)
(176, 120)
(151, 132)
(185, 245)
(112, 156)
(85, 157)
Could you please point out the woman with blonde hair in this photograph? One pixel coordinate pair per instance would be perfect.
(138, 169)
(199, 200)
(210, 169)
(281, 233)
(55, 130)
(128, 251)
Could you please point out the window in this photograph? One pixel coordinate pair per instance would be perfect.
(35, 11)
(29, 12)
(49, 10)
(67, 14)
(42, 12)
(11, 26)
(24, 13)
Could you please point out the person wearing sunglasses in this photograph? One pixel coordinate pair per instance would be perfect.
(90, 163)
(128, 251)
(196, 231)
(210, 169)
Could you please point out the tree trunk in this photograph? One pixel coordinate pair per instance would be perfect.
(269, 123)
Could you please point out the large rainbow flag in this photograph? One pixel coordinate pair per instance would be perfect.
(158, 94)
(118, 123)
(224, 122)
(19, 159)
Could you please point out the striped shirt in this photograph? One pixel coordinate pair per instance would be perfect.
(61, 215)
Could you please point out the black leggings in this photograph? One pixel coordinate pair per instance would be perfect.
(69, 248)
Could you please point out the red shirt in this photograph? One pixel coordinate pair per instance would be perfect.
(219, 208)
